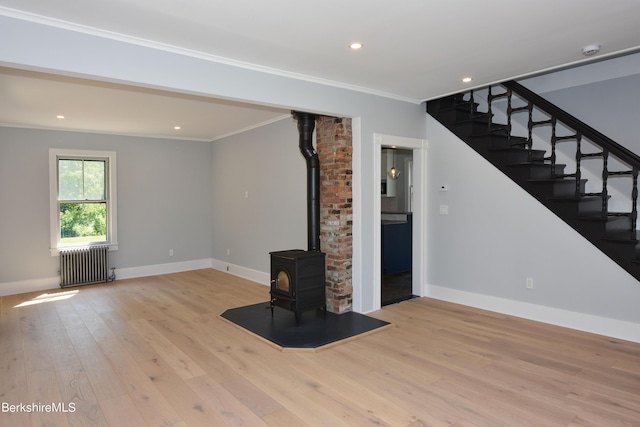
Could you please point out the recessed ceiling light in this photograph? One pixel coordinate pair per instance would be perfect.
(176, 127)
(466, 80)
(355, 46)
(60, 116)
(591, 49)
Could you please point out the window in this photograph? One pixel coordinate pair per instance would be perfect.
(83, 199)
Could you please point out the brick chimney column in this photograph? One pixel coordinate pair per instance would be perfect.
(334, 147)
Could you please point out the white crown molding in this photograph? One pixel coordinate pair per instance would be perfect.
(65, 25)
(254, 126)
(104, 132)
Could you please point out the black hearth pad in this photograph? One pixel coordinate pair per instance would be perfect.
(314, 331)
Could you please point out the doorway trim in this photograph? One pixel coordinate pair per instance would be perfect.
(419, 234)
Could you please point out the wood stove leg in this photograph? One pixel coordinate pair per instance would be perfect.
(298, 315)
(271, 308)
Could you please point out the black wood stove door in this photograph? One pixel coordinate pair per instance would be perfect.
(298, 280)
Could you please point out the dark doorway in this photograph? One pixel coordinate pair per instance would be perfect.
(397, 224)
(396, 288)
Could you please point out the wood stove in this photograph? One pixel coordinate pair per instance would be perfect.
(297, 276)
(298, 281)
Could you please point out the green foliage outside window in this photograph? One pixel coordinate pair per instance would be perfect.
(83, 222)
(82, 197)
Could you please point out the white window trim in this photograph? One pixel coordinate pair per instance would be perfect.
(112, 206)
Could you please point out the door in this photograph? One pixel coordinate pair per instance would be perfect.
(396, 225)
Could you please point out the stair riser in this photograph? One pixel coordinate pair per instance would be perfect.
(457, 114)
(618, 224)
(602, 228)
(473, 128)
(575, 208)
(482, 128)
(536, 171)
(515, 156)
(450, 115)
(619, 251)
(444, 103)
(629, 248)
(487, 142)
(564, 188)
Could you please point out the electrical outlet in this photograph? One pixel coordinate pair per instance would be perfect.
(228, 251)
(170, 252)
(529, 282)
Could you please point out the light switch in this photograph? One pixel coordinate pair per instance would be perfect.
(444, 187)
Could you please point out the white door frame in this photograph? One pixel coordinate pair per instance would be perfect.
(419, 235)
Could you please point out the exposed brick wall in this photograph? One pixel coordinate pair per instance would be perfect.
(334, 147)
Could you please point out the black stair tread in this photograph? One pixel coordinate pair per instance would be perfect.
(574, 199)
(597, 217)
(535, 155)
(492, 129)
(629, 237)
(553, 180)
(539, 152)
(455, 100)
(480, 118)
(515, 141)
(464, 106)
(535, 163)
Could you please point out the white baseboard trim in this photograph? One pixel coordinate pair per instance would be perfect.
(246, 273)
(154, 270)
(49, 283)
(620, 329)
(614, 328)
(33, 285)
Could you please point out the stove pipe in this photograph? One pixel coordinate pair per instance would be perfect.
(306, 124)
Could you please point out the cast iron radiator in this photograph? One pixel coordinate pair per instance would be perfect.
(84, 266)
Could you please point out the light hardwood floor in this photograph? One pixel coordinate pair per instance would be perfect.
(154, 352)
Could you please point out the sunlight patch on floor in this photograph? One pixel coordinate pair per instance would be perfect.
(48, 298)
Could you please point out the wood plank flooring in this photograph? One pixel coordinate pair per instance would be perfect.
(154, 352)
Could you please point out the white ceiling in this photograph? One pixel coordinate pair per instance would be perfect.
(414, 50)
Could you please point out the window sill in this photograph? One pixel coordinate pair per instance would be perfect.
(56, 251)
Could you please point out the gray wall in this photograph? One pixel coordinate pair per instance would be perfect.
(164, 201)
(610, 107)
(266, 164)
(487, 245)
(100, 58)
(496, 235)
(602, 94)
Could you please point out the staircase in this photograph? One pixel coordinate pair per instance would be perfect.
(585, 178)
